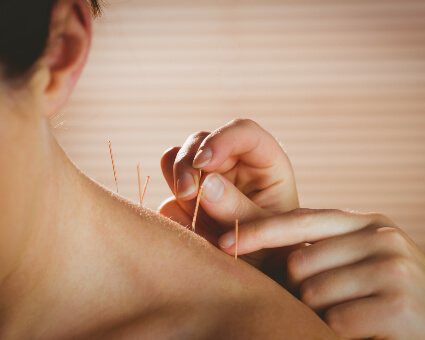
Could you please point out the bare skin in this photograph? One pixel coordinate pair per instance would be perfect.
(94, 265)
(79, 262)
(361, 272)
(246, 175)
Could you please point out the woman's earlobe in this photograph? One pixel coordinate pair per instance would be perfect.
(67, 51)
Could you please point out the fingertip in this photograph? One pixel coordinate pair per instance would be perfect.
(187, 197)
(186, 185)
(213, 188)
(227, 240)
(165, 206)
(170, 153)
(202, 158)
(172, 209)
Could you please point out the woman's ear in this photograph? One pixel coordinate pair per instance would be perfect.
(67, 51)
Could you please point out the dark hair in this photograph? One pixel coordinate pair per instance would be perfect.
(24, 30)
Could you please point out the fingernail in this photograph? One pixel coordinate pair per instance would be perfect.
(213, 188)
(227, 240)
(202, 158)
(185, 185)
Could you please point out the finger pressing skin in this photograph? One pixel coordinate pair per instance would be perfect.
(363, 318)
(296, 226)
(345, 250)
(224, 203)
(172, 209)
(186, 177)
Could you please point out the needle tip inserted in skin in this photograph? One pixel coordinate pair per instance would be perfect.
(144, 189)
(236, 239)
(113, 164)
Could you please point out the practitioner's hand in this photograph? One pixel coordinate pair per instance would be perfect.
(362, 273)
(246, 176)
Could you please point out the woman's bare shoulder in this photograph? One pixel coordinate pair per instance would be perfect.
(181, 287)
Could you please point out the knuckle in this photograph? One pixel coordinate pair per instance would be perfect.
(401, 304)
(198, 135)
(392, 238)
(381, 219)
(302, 214)
(400, 268)
(302, 211)
(243, 121)
(302, 218)
(396, 269)
(376, 216)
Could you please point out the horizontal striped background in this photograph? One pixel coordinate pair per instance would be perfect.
(340, 83)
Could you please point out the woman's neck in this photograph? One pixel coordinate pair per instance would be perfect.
(72, 254)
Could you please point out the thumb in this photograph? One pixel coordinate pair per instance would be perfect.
(223, 202)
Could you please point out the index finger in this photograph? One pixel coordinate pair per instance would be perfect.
(243, 138)
(297, 226)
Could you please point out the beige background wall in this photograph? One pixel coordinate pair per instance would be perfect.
(340, 83)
